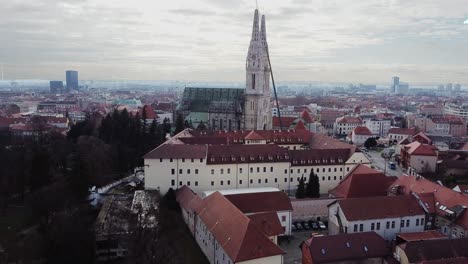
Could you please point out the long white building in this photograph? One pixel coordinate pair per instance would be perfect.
(248, 159)
(226, 235)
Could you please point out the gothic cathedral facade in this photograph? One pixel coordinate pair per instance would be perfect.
(235, 108)
(257, 105)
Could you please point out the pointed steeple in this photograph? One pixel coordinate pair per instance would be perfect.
(255, 33)
(263, 33)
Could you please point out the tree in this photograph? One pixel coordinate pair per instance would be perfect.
(313, 186)
(144, 116)
(179, 124)
(370, 143)
(300, 192)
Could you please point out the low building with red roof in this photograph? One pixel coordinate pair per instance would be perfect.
(396, 134)
(360, 134)
(447, 209)
(277, 202)
(226, 235)
(421, 158)
(385, 215)
(357, 182)
(365, 247)
(346, 124)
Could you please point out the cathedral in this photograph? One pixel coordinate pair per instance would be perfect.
(234, 108)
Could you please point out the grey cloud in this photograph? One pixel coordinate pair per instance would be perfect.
(193, 12)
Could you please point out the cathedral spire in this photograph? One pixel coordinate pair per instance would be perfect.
(263, 33)
(255, 33)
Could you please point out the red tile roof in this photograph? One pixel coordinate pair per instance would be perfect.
(459, 260)
(422, 136)
(448, 119)
(427, 250)
(419, 149)
(346, 247)
(306, 116)
(268, 223)
(236, 233)
(362, 130)
(349, 120)
(264, 202)
(254, 136)
(184, 195)
(402, 131)
(175, 151)
(285, 121)
(309, 157)
(382, 207)
(418, 236)
(231, 154)
(319, 141)
(300, 125)
(282, 137)
(443, 196)
(150, 114)
(357, 182)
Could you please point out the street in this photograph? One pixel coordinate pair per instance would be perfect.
(379, 163)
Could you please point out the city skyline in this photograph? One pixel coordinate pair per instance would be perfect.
(204, 40)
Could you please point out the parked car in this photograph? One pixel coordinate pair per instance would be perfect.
(298, 226)
(313, 224)
(305, 225)
(293, 228)
(321, 225)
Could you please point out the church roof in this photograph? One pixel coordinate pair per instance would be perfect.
(197, 99)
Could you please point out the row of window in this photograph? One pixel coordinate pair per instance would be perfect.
(376, 226)
(221, 171)
(183, 160)
(182, 171)
(252, 181)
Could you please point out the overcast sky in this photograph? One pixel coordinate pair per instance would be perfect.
(207, 40)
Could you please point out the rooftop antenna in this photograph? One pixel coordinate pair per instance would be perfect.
(256, 4)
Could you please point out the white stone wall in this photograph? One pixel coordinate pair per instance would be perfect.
(359, 139)
(379, 127)
(285, 218)
(268, 260)
(164, 174)
(423, 163)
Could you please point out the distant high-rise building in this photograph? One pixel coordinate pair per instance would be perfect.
(402, 88)
(394, 84)
(448, 87)
(72, 80)
(56, 86)
(457, 87)
(441, 87)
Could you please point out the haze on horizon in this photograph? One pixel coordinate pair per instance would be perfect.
(207, 40)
